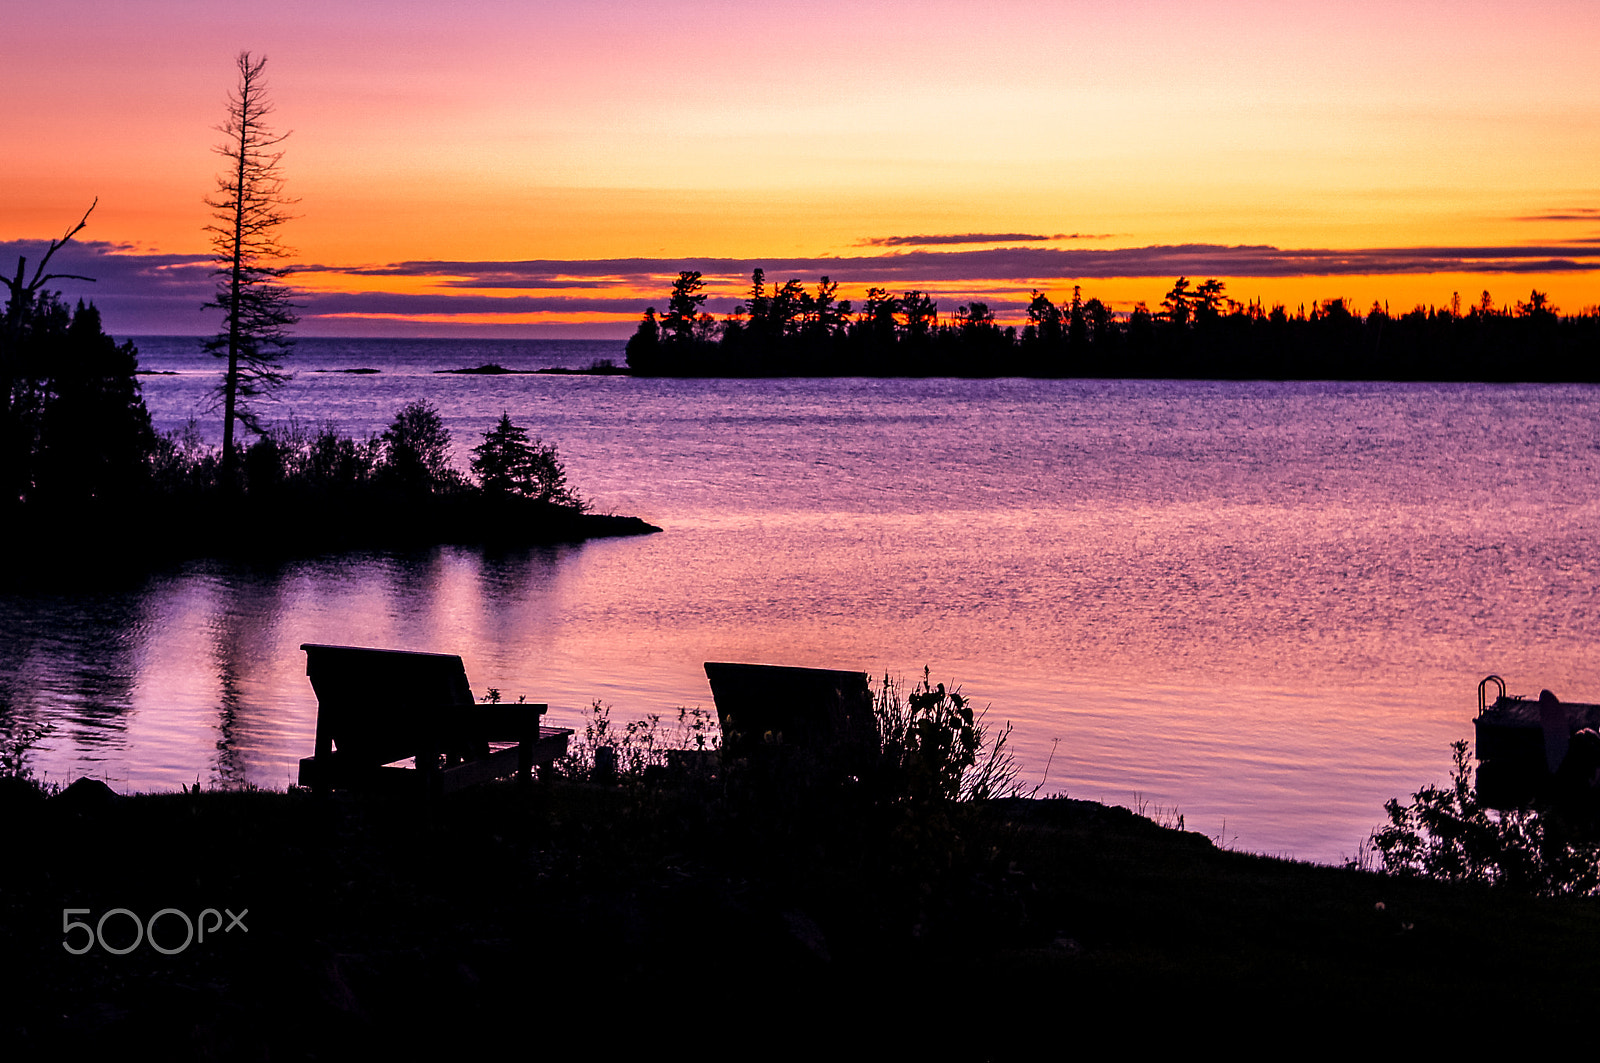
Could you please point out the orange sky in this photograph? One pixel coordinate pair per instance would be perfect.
(491, 131)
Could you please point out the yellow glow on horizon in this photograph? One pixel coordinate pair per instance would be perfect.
(537, 317)
(1398, 294)
(484, 132)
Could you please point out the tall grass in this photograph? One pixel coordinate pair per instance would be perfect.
(639, 747)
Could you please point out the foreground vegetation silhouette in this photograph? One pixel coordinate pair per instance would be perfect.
(1196, 333)
(1448, 833)
(655, 902)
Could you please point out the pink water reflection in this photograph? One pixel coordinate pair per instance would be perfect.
(1268, 608)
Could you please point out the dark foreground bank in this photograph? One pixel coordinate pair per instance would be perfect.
(94, 535)
(618, 920)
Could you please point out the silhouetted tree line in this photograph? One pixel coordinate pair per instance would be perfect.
(1197, 332)
(407, 464)
(78, 433)
(86, 474)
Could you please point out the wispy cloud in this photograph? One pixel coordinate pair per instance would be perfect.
(920, 268)
(521, 275)
(1569, 214)
(974, 238)
(338, 303)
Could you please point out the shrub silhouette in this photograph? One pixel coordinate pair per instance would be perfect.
(417, 450)
(934, 748)
(1447, 833)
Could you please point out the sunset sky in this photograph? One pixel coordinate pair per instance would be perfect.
(524, 169)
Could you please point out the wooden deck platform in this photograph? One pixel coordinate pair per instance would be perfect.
(1522, 742)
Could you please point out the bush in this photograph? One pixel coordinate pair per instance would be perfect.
(324, 459)
(1446, 833)
(411, 457)
(263, 466)
(639, 745)
(417, 450)
(182, 464)
(933, 747)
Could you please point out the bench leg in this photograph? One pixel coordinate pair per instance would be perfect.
(524, 765)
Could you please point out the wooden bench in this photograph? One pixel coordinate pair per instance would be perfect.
(377, 707)
(820, 715)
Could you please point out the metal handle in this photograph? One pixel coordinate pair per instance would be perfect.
(1483, 691)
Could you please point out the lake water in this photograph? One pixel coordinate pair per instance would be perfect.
(1265, 605)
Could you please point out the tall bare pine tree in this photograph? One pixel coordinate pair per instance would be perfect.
(248, 207)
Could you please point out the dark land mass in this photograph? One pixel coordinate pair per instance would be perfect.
(359, 371)
(489, 369)
(91, 537)
(605, 367)
(1196, 333)
(617, 920)
(90, 487)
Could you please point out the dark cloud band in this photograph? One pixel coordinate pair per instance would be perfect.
(923, 268)
(151, 293)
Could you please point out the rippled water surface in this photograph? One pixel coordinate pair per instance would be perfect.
(1267, 605)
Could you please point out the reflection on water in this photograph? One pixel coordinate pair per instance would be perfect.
(1268, 605)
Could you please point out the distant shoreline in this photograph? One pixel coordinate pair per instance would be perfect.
(1199, 357)
(1197, 334)
(605, 367)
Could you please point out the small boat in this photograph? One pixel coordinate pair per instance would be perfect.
(1523, 742)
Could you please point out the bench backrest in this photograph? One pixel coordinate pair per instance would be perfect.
(820, 710)
(378, 706)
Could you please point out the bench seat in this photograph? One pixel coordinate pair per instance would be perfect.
(378, 707)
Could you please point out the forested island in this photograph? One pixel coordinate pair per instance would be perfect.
(88, 477)
(1196, 333)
